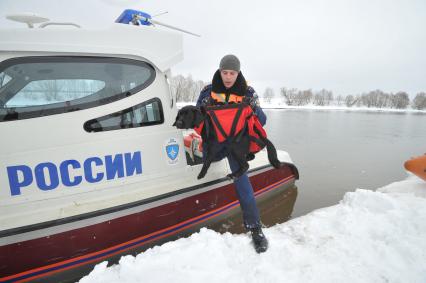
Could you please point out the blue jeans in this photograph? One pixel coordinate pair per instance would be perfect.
(243, 189)
(246, 197)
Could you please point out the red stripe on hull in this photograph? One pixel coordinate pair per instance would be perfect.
(58, 252)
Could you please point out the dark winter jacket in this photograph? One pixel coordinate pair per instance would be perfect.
(240, 88)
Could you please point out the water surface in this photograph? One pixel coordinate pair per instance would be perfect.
(339, 151)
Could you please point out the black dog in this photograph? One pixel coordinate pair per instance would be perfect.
(190, 117)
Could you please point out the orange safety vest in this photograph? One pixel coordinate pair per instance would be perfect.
(221, 97)
(230, 120)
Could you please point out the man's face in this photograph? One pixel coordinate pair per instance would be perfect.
(228, 77)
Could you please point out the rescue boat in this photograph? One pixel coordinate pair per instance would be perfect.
(417, 166)
(91, 166)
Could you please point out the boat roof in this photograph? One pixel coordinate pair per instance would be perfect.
(162, 48)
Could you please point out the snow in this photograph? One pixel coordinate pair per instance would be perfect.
(370, 236)
(337, 107)
(276, 104)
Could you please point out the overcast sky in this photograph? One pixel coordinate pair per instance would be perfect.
(348, 47)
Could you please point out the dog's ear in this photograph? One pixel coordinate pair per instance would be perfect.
(198, 118)
(177, 116)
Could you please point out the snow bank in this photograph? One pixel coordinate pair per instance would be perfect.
(370, 236)
(340, 108)
(280, 105)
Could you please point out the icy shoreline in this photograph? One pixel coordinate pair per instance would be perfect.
(370, 236)
(280, 106)
(341, 108)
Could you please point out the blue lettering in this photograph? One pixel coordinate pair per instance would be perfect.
(40, 178)
(88, 173)
(48, 176)
(114, 167)
(65, 174)
(133, 163)
(14, 183)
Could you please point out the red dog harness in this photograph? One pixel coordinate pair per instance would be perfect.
(231, 120)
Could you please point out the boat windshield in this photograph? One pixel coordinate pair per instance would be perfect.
(40, 86)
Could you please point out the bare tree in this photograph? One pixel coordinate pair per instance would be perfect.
(329, 97)
(419, 101)
(186, 88)
(303, 97)
(189, 90)
(289, 95)
(350, 100)
(375, 98)
(178, 85)
(400, 100)
(339, 99)
(268, 94)
(319, 99)
(323, 97)
(196, 89)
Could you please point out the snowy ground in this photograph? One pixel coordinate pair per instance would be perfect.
(277, 104)
(370, 236)
(338, 107)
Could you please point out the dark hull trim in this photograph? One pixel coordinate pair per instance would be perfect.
(281, 177)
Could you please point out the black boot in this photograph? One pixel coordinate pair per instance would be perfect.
(259, 240)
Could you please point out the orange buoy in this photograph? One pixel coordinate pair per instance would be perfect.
(417, 166)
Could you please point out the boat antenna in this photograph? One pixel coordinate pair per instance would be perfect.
(135, 17)
(30, 19)
(27, 18)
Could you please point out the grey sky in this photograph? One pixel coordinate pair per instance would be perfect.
(346, 46)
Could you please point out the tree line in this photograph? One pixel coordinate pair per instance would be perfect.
(187, 89)
(373, 99)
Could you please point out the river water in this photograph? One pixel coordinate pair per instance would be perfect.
(340, 151)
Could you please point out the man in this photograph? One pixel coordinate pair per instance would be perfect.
(229, 86)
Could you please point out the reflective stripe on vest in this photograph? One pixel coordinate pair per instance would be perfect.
(221, 97)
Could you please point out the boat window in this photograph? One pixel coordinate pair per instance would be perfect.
(53, 91)
(4, 79)
(40, 86)
(147, 113)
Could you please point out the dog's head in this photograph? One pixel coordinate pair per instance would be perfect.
(189, 117)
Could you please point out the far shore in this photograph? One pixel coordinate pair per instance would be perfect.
(278, 106)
